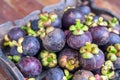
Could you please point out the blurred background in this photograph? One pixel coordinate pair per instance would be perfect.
(15, 9)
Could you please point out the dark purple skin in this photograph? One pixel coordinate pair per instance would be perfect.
(30, 66)
(57, 23)
(94, 63)
(113, 39)
(70, 16)
(16, 33)
(54, 74)
(30, 46)
(117, 64)
(84, 9)
(13, 51)
(71, 54)
(54, 41)
(34, 24)
(100, 35)
(117, 75)
(77, 41)
(82, 75)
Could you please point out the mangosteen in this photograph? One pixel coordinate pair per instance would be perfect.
(12, 36)
(113, 39)
(54, 74)
(48, 59)
(82, 75)
(15, 34)
(100, 35)
(30, 66)
(70, 16)
(91, 57)
(108, 70)
(68, 59)
(78, 35)
(53, 39)
(117, 64)
(50, 19)
(84, 9)
(29, 46)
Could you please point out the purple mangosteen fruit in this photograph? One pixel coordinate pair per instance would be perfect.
(84, 9)
(29, 46)
(54, 39)
(70, 16)
(113, 39)
(78, 35)
(12, 36)
(68, 59)
(91, 57)
(16, 33)
(54, 74)
(30, 66)
(82, 75)
(100, 35)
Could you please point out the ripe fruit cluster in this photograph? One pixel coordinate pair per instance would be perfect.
(75, 46)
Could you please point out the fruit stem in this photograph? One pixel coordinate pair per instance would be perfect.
(43, 18)
(78, 28)
(49, 59)
(113, 22)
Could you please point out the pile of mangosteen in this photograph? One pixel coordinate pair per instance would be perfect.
(79, 45)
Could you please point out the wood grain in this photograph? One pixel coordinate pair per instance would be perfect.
(15, 9)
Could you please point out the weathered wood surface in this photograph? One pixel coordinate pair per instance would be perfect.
(15, 9)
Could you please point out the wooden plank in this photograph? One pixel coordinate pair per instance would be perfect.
(15, 9)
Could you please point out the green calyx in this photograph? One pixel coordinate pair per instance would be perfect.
(78, 28)
(14, 43)
(16, 58)
(68, 75)
(8, 42)
(90, 21)
(89, 50)
(111, 49)
(113, 52)
(44, 17)
(113, 22)
(49, 59)
(43, 31)
(69, 63)
(108, 69)
(29, 30)
(111, 56)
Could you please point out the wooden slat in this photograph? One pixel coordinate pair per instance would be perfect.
(15, 9)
